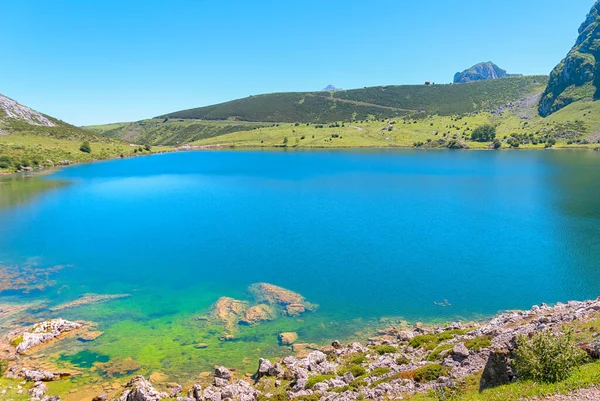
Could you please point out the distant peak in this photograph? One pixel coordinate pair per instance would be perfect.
(330, 88)
(481, 72)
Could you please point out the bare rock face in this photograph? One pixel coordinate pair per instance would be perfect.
(44, 332)
(480, 72)
(17, 111)
(139, 389)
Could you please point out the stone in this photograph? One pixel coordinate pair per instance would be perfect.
(89, 336)
(222, 373)
(201, 346)
(38, 390)
(175, 390)
(497, 370)
(139, 389)
(229, 311)
(101, 397)
(45, 331)
(288, 338)
(294, 309)
(195, 392)
(258, 313)
(460, 350)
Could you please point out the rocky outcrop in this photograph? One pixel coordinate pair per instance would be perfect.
(139, 389)
(292, 302)
(42, 333)
(577, 76)
(288, 338)
(481, 72)
(14, 110)
(229, 311)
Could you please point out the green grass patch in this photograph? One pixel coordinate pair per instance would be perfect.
(478, 343)
(385, 349)
(312, 380)
(436, 353)
(430, 372)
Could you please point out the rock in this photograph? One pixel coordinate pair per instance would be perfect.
(274, 295)
(201, 346)
(229, 311)
(41, 375)
(460, 350)
(89, 336)
(592, 349)
(38, 390)
(336, 344)
(51, 398)
(139, 389)
(578, 71)
(263, 367)
(175, 390)
(288, 338)
(195, 392)
(101, 397)
(158, 377)
(222, 372)
(45, 331)
(294, 309)
(259, 313)
(497, 370)
(480, 72)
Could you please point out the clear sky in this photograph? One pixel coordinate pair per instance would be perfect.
(91, 62)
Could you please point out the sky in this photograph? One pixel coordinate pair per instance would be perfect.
(101, 61)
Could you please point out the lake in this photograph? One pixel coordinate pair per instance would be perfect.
(372, 236)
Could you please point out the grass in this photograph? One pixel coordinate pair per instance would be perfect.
(587, 376)
(577, 125)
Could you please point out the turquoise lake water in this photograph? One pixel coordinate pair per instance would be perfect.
(366, 234)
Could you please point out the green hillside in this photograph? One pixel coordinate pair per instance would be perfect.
(163, 131)
(378, 102)
(29, 140)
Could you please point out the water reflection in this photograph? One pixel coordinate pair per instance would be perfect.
(18, 189)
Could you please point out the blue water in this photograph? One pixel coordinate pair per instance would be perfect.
(365, 234)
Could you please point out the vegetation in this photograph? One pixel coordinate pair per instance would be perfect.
(547, 357)
(85, 147)
(484, 133)
(312, 380)
(430, 372)
(375, 102)
(385, 349)
(478, 343)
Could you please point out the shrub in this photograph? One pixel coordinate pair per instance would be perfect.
(484, 133)
(85, 147)
(356, 371)
(547, 357)
(285, 141)
(497, 144)
(430, 372)
(148, 147)
(402, 360)
(380, 371)
(317, 379)
(478, 343)
(3, 366)
(385, 349)
(358, 359)
(435, 354)
(5, 162)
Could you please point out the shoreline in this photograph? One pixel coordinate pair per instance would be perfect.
(382, 366)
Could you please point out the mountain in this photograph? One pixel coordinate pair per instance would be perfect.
(378, 102)
(30, 139)
(481, 72)
(330, 88)
(577, 76)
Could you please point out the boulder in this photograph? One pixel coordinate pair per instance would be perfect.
(294, 309)
(288, 338)
(274, 295)
(498, 370)
(37, 391)
(229, 311)
(139, 389)
(460, 350)
(89, 336)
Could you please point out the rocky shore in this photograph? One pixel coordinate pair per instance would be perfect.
(394, 363)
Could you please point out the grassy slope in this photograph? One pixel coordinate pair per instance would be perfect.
(32, 145)
(581, 117)
(380, 102)
(171, 131)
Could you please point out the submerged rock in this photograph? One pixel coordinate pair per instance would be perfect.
(258, 313)
(89, 336)
(229, 311)
(288, 338)
(274, 295)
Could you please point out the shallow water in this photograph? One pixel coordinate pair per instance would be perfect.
(366, 234)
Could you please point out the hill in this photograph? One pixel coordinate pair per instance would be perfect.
(577, 76)
(374, 102)
(165, 131)
(481, 72)
(30, 139)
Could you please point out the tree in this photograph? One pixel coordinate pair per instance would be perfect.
(497, 144)
(147, 147)
(484, 133)
(85, 147)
